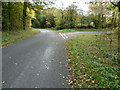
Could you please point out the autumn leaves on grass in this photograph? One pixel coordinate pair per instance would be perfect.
(93, 62)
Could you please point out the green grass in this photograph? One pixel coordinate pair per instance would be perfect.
(0, 39)
(67, 30)
(9, 37)
(93, 61)
(76, 30)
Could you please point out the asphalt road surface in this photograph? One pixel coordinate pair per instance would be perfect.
(36, 62)
(72, 34)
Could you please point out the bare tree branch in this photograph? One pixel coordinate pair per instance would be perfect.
(114, 4)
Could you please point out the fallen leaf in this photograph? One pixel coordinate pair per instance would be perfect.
(3, 82)
(63, 84)
(10, 57)
(16, 64)
(39, 71)
(36, 87)
(37, 74)
(46, 67)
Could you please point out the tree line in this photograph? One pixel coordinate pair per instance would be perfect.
(18, 15)
(23, 15)
(100, 15)
(14, 15)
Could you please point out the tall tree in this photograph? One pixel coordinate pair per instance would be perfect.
(24, 14)
(72, 13)
(50, 17)
(100, 11)
(118, 6)
(9, 14)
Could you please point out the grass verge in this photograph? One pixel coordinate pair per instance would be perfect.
(0, 38)
(93, 61)
(67, 30)
(77, 30)
(9, 37)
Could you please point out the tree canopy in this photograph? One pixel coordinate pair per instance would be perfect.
(38, 14)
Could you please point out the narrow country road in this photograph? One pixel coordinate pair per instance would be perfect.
(36, 62)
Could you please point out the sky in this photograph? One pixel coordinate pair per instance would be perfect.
(80, 3)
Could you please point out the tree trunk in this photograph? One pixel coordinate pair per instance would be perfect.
(118, 6)
(119, 38)
(102, 20)
(9, 16)
(24, 14)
